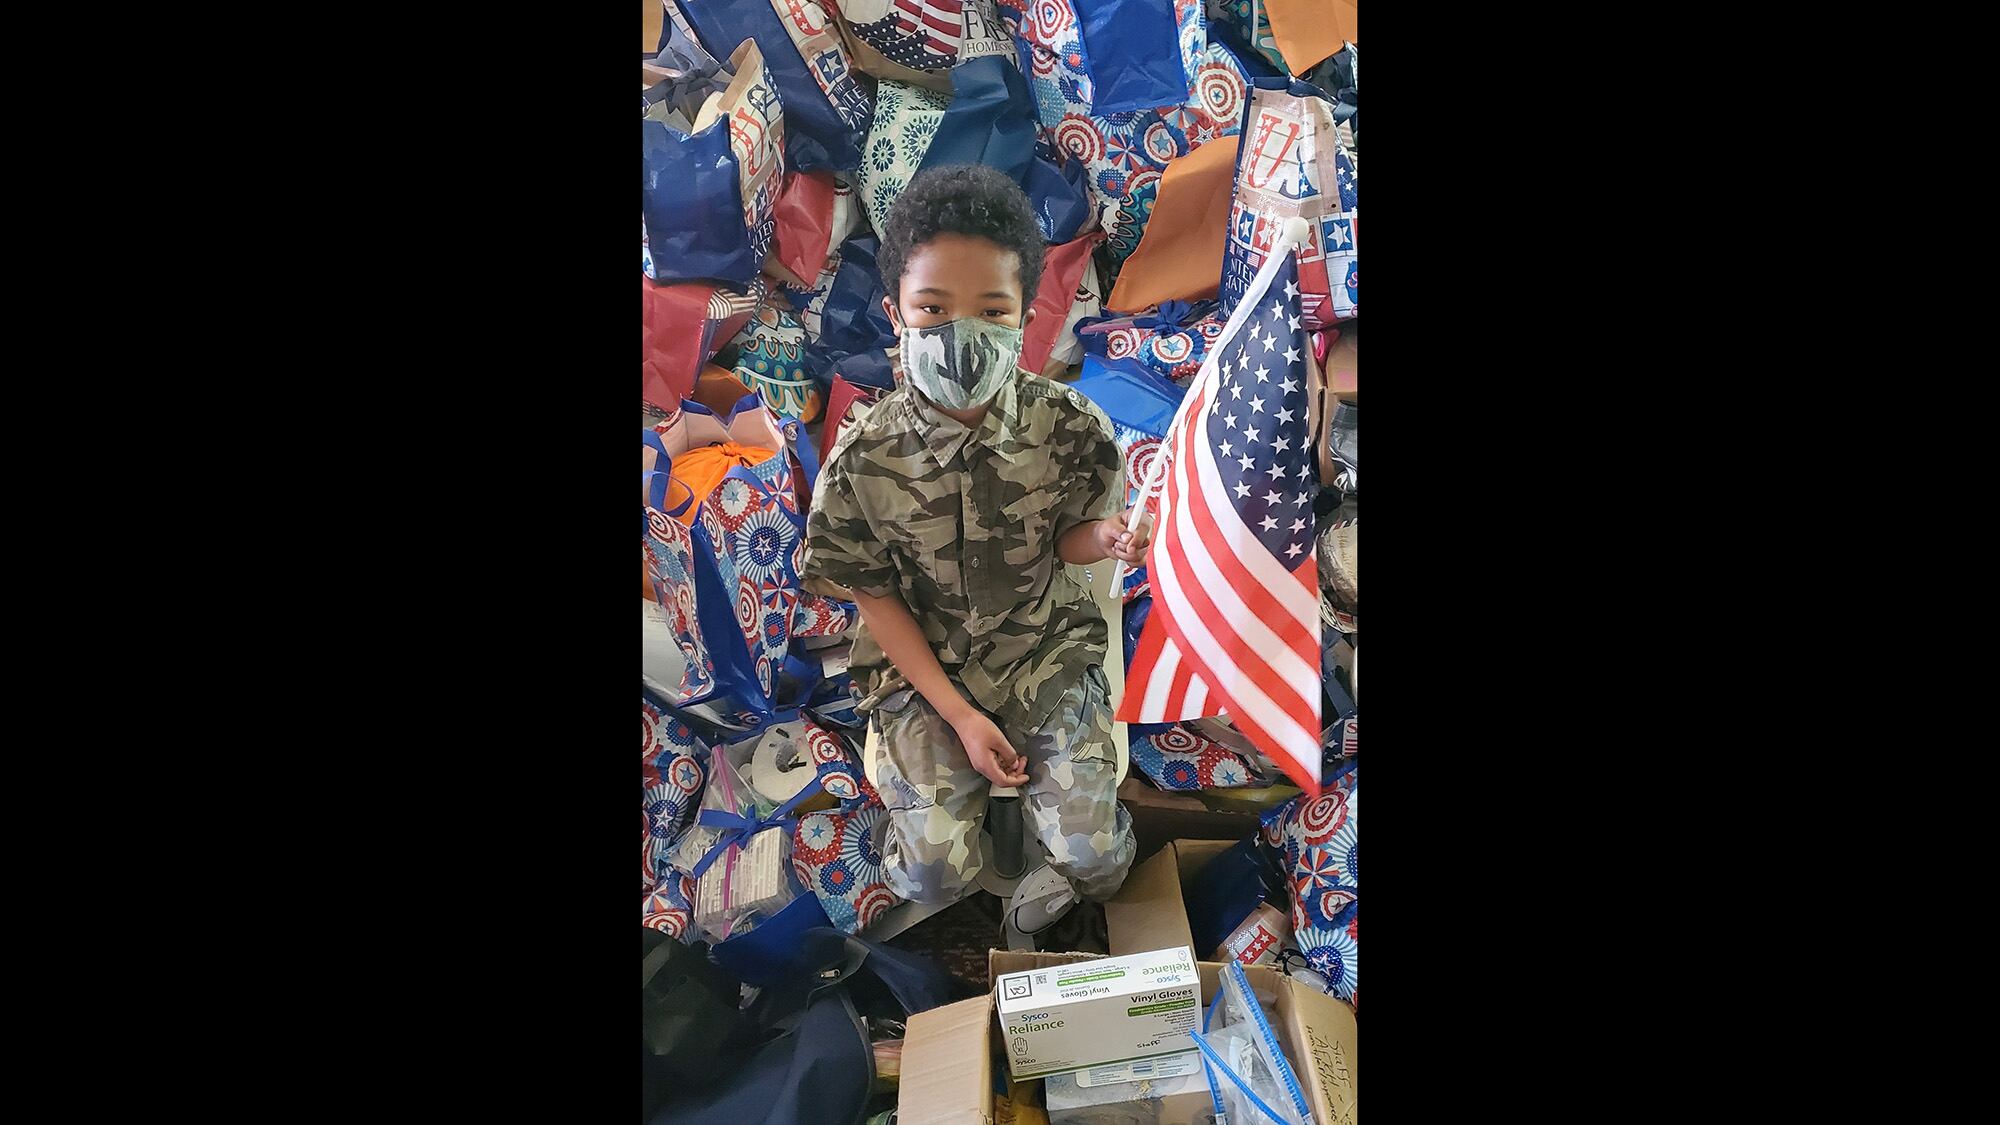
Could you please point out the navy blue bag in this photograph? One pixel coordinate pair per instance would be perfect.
(1133, 53)
(1227, 889)
(852, 319)
(824, 123)
(1055, 185)
(868, 369)
(816, 1065)
(694, 206)
(991, 120)
(710, 194)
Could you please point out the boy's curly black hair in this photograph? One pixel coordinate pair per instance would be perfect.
(970, 199)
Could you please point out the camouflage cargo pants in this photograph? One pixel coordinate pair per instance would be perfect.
(937, 802)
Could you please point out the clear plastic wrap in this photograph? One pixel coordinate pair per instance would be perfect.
(740, 880)
(1248, 1074)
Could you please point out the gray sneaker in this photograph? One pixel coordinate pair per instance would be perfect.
(1041, 900)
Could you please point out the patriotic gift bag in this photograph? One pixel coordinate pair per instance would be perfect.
(710, 194)
(1337, 76)
(843, 314)
(906, 121)
(1063, 271)
(1122, 55)
(674, 766)
(1058, 190)
(991, 120)
(669, 906)
(1320, 840)
(1179, 257)
(839, 855)
(677, 78)
(745, 547)
(1087, 303)
(826, 107)
(840, 407)
(839, 768)
(832, 700)
(1133, 51)
(819, 616)
(917, 42)
(802, 226)
(1141, 406)
(1292, 165)
(1293, 35)
(917, 34)
(1180, 759)
(692, 653)
(1124, 154)
(1170, 340)
(774, 359)
(681, 328)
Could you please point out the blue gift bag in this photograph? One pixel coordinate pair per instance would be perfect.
(827, 110)
(709, 195)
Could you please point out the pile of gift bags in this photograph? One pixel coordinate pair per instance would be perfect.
(758, 819)
(1162, 143)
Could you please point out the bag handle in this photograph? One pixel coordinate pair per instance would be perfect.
(808, 673)
(656, 489)
(801, 447)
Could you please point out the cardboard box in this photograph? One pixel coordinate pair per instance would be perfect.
(1159, 817)
(950, 1053)
(1111, 1010)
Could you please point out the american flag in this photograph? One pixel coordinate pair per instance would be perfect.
(940, 21)
(1234, 627)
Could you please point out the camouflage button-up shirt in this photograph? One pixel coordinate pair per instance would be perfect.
(962, 524)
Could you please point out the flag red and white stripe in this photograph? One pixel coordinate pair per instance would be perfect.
(1235, 625)
(941, 21)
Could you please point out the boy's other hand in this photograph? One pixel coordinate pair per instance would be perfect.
(1128, 547)
(989, 751)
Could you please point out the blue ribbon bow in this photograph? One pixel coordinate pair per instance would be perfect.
(737, 828)
(689, 81)
(1168, 314)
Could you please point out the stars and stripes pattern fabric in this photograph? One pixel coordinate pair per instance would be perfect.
(1235, 625)
(939, 21)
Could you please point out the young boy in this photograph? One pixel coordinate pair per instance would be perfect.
(947, 513)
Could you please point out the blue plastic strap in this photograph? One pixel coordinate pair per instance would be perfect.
(1214, 1092)
(800, 443)
(749, 477)
(737, 828)
(1215, 1060)
(657, 489)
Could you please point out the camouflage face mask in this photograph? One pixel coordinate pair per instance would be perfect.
(962, 364)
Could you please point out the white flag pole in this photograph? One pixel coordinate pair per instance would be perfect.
(1291, 235)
